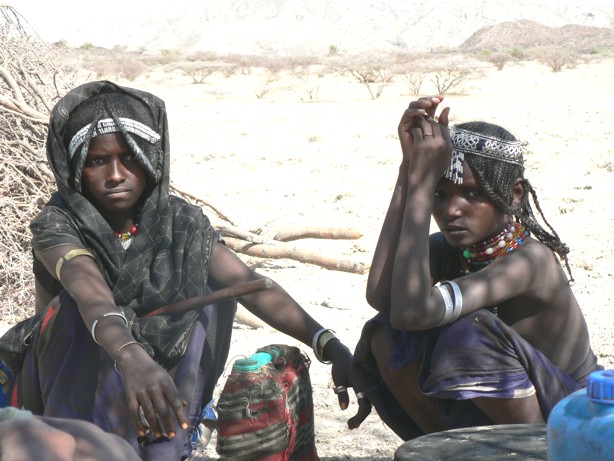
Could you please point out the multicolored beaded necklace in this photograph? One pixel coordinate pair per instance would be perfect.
(125, 238)
(483, 253)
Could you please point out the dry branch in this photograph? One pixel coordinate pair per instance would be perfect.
(200, 201)
(290, 233)
(31, 81)
(283, 250)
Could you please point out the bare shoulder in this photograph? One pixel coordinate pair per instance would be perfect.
(530, 274)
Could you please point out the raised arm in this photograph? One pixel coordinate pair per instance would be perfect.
(425, 141)
(379, 284)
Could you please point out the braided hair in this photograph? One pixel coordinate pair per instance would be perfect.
(497, 178)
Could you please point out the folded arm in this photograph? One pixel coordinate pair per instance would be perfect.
(147, 385)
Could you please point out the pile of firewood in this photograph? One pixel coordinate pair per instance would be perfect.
(32, 79)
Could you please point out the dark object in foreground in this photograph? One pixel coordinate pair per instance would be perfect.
(526, 442)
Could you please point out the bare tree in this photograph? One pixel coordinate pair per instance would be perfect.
(414, 80)
(498, 59)
(448, 72)
(446, 78)
(373, 72)
(198, 71)
(556, 58)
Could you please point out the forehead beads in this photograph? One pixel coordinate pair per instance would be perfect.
(466, 142)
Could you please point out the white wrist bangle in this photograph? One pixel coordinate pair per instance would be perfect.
(453, 307)
(448, 308)
(108, 314)
(458, 298)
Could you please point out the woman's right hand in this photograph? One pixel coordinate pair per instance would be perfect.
(149, 387)
(420, 114)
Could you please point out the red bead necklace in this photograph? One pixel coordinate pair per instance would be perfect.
(127, 235)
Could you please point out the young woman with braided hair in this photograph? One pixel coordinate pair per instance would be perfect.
(477, 323)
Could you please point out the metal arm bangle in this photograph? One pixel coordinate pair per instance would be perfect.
(126, 345)
(67, 257)
(458, 299)
(108, 314)
(320, 339)
(448, 304)
(454, 307)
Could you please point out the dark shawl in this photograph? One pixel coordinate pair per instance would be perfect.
(169, 258)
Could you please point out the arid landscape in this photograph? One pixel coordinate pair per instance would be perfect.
(318, 150)
(280, 161)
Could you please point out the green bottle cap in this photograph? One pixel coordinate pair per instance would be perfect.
(253, 363)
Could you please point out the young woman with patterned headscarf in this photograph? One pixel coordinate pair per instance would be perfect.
(477, 323)
(113, 245)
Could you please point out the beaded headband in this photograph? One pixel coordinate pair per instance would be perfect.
(468, 142)
(108, 125)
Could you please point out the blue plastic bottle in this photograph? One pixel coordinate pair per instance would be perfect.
(581, 426)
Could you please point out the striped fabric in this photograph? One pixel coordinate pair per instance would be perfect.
(267, 415)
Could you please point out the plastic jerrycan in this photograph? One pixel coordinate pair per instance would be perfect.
(581, 426)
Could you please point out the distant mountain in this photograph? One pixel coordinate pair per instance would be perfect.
(299, 26)
(526, 34)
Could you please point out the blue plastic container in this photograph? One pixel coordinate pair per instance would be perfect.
(581, 426)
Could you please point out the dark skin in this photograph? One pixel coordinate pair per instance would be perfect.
(114, 182)
(528, 285)
(60, 439)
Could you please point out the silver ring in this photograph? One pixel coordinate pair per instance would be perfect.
(427, 134)
(340, 389)
(360, 395)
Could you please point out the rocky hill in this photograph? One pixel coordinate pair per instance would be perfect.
(527, 34)
(300, 27)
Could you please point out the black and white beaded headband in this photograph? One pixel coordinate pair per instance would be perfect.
(108, 125)
(468, 142)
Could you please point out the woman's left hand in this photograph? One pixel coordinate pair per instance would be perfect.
(341, 357)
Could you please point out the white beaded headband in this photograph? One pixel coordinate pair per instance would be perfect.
(468, 142)
(108, 125)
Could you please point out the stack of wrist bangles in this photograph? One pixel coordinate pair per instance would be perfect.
(453, 307)
(320, 339)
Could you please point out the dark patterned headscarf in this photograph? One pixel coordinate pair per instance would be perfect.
(168, 259)
(113, 113)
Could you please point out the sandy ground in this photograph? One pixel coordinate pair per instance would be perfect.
(285, 159)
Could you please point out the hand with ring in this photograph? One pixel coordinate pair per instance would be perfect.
(364, 409)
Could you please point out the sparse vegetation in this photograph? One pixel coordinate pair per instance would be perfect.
(517, 54)
(197, 71)
(448, 73)
(556, 58)
(374, 72)
(498, 59)
(33, 81)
